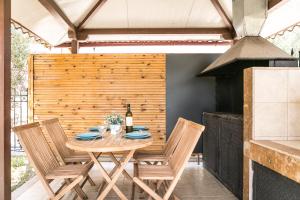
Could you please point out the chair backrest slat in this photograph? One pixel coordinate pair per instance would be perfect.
(190, 136)
(175, 137)
(36, 147)
(58, 137)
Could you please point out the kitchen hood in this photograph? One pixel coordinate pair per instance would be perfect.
(248, 19)
(248, 48)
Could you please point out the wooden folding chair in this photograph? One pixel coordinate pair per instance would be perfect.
(169, 148)
(59, 139)
(169, 175)
(46, 164)
(153, 159)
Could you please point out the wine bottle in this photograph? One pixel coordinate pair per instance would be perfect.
(129, 120)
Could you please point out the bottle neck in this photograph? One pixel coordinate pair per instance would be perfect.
(128, 108)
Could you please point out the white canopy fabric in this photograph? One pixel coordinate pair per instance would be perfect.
(139, 14)
(284, 16)
(156, 14)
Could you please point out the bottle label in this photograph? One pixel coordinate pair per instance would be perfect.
(129, 121)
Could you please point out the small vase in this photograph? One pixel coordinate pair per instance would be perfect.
(115, 128)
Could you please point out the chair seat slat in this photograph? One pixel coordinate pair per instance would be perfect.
(155, 172)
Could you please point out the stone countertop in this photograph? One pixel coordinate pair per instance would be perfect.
(225, 115)
(280, 156)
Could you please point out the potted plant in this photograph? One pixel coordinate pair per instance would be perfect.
(115, 123)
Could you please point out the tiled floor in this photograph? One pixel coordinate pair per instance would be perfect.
(196, 183)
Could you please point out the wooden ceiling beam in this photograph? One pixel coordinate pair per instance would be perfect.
(156, 31)
(149, 43)
(83, 34)
(96, 7)
(223, 15)
(58, 14)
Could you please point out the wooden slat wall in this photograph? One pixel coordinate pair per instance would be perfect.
(81, 89)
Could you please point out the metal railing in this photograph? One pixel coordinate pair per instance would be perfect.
(19, 114)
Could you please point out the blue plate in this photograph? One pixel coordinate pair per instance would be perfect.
(137, 133)
(87, 135)
(137, 137)
(137, 128)
(90, 138)
(94, 129)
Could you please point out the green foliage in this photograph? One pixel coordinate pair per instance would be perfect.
(114, 119)
(289, 41)
(20, 44)
(20, 170)
(17, 161)
(24, 177)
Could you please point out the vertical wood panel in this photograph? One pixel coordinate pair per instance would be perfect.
(5, 99)
(30, 89)
(81, 89)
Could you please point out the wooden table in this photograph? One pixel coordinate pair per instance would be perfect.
(110, 144)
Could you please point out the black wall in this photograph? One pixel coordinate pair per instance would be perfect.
(188, 96)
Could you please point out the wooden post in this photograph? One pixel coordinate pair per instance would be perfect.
(5, 6)
(248, 115)
(74, 46)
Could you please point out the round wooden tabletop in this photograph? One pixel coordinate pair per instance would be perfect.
(108, 143)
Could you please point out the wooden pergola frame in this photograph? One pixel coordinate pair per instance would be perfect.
(149, 43)
(5, 191)
(5, 54)
(82, 34)
(78, 34)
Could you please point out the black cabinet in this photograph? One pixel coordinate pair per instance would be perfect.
(223, 149)
(211, 144)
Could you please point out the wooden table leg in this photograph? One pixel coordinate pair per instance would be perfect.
(103, 184)
(117, 163)
(111, 180)
(135, 174)
(116, 175)
(107, 178)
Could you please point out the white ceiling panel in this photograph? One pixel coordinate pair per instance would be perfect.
(32, 15)
(76, 10)
(204, 14)
(113, 14)
(158, 13)
(280, 18)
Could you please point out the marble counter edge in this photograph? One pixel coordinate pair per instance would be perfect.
(280, 158)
